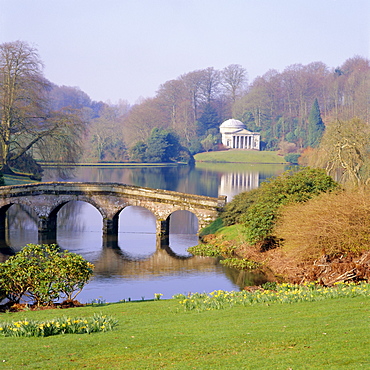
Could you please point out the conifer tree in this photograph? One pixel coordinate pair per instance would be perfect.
(315, 127)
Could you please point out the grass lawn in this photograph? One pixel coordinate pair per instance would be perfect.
(240, 156)
(328, 334)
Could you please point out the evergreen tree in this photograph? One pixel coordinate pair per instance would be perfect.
(208, 120)
(316, 126)
(163, 146)
(138, 152)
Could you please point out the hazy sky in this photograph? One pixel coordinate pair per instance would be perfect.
(124, 49)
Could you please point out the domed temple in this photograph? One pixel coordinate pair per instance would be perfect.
(236, 136)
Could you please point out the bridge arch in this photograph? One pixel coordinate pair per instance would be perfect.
(139, 213)
(183, 221)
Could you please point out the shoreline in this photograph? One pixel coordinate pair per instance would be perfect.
(110, 164)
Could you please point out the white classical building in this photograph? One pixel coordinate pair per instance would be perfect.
(236, 136)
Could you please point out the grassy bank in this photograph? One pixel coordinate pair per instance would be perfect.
(329, 334)
(240, 156)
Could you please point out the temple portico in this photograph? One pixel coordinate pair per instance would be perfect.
(236, 136)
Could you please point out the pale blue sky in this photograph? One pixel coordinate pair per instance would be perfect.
(124, 49)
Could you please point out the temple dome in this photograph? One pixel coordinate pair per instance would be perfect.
(233, 124)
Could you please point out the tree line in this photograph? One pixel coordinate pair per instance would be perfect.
(43, 121)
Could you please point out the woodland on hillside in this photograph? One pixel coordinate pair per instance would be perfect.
(287, 108)
(291, 109)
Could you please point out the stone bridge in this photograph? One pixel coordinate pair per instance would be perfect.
(47, 198)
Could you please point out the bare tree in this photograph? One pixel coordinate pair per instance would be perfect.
(193, 82)
(106, 136)
(28, 126)
(234, 80)
(141, 119)
(344, 151)
(210, 84)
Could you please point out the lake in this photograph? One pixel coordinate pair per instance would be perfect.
(138, 268)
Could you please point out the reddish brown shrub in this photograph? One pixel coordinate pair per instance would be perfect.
(331, 224)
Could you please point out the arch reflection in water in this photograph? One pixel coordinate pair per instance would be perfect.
(79, 229)
(137, 231)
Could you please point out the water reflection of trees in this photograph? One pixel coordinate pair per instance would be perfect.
(243, 278)
(166, 178)
(70, 216)
(161, 262)
(22, 217)
(183, 222)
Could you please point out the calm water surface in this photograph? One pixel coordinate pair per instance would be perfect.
(139, 268)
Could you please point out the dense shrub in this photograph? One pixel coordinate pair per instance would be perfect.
(43, 274)
(331, 224)
(290, 187)
(240, 204)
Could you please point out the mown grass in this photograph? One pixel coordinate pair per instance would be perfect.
(329, 334)
(240, 156)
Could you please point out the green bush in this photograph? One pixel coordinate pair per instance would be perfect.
(290, 187)
(240, 204)
(43, 274)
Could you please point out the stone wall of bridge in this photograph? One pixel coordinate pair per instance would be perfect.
(46, 199)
